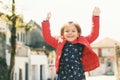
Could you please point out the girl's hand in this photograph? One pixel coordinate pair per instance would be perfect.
(96, 11)
(48, 16)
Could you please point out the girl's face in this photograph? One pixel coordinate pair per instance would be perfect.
(70, 33)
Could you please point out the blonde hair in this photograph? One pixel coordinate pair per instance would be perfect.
(71, 23)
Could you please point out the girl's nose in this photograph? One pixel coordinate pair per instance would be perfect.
(70, 32)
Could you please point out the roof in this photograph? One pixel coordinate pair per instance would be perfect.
(105, 43)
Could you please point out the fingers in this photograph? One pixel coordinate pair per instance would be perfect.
(96, 11)
(48, 16)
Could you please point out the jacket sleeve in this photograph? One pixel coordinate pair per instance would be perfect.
(47, 34)
(95, 29)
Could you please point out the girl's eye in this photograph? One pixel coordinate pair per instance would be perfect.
(66, 31)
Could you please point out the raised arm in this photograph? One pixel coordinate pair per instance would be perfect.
(95, 26)
(47, 33)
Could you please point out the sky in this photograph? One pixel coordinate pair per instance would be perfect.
(79, 11)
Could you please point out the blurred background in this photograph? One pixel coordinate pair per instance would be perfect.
(24, 55)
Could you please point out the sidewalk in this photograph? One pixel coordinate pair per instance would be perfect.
(101, 78)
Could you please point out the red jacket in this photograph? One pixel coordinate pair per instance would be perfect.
(90, 60)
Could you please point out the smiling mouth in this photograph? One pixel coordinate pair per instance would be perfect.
(70, 36)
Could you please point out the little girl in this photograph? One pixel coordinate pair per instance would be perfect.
(74, 56)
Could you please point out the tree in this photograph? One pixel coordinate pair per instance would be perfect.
(14, 24)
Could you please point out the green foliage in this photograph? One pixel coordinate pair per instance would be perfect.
(3, 69)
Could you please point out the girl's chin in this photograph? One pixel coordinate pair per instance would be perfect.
(71, 40)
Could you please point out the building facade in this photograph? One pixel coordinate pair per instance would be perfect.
(105, 50)
(29, 64)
